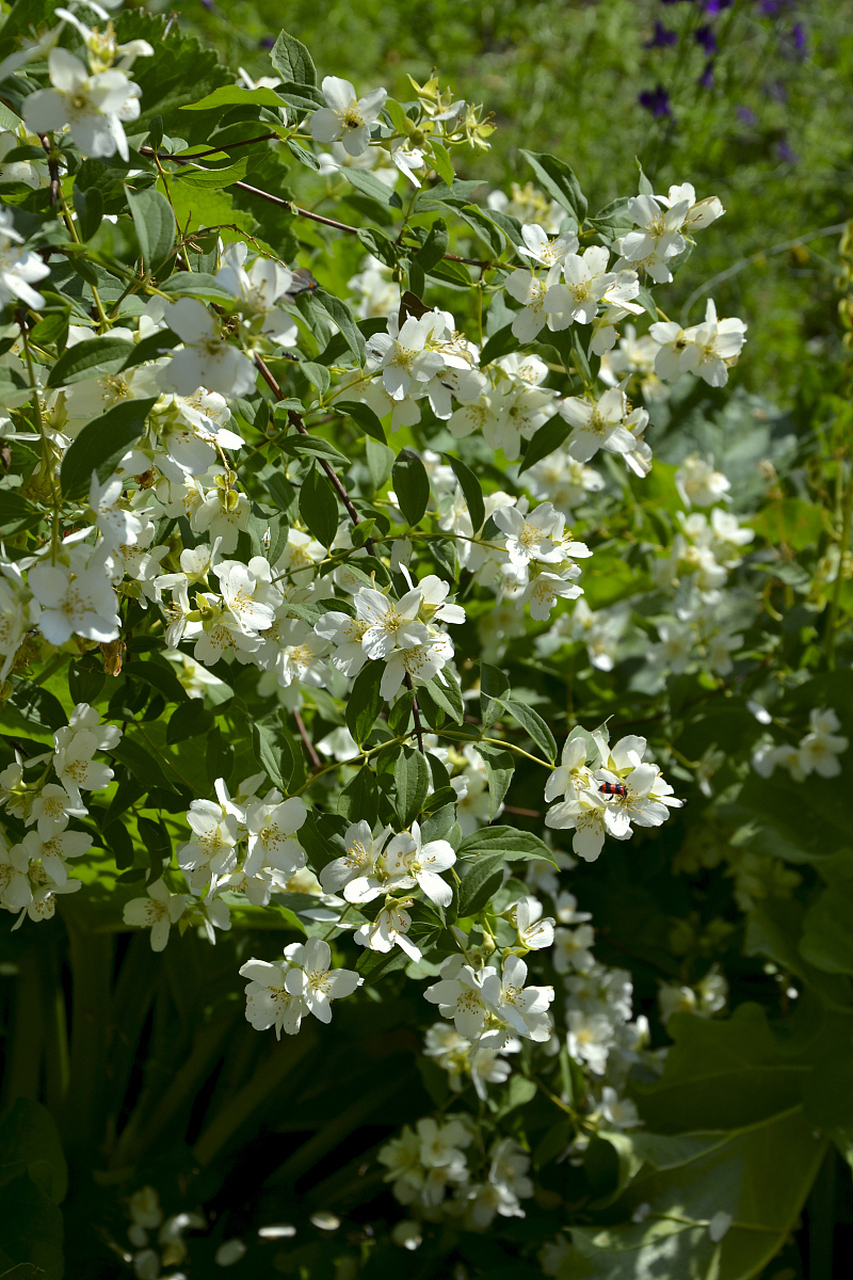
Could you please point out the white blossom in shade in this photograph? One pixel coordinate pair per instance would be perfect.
(74, 746)
(506, 1184)
(547, 250)
(390, 624)
(388, 929)
(590, 1038)
(607, 424)
(543, 592)
(424, 863)
(406, 354)
(657, 238)
(407, 159)
(585, 282)
(714, 347)
(18, 613)
(76, 596)
(51, 809)
(621, 1113)
(407, 1234)
(206, 359)
(44, 894)
(91, 106)
(257, 290)
(524, 1008)
(345, 116)
(269, 1003)
(272, 829)
(572, 948)
(441, 1145)
(819, 750)
(382, 868)
(459, 996)
(311, 979)
(158, 912)
(535, 931)
(15, 889)
(673, 998)
(212, 852)
(362, 852)
(698, 484)
(19, 268)
(378, 294)
(562, 480)
(420, 663)
(53, 851)
(566, 906)
(345, 634)
(767, 756)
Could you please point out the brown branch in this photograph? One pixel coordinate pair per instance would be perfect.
(53, 170)
(295, 420)
(226, 146)
(309, 745)
(295, 209)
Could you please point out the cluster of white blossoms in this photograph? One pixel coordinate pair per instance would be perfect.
(426, 1163)
(618, 790)
(35, 869)
(816, 752)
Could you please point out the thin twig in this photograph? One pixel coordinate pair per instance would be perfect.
(309, 745)
(52, 168)
(416, 713)
(296, 421)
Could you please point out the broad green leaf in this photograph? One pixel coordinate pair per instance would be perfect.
(509, 843)
(791, 522)
(292, 60)
(443, 165)
(197, 284)
(446, 693)
(369, 185)
(546, 440)
(234, 96)
(411, 485)
(107, 354)
(365, 701)
(380, 460)
(342, 315)
(30, 1144)
(560, 182)
(102, 444)
(533, 723)
(500, 768)
(494, 687)
(190, 719)
(318, 506)
(501, 343)
(435, 246)
(36, 705)
(412, 779)
(272, 754)
(215, 179)
(160, 675)
(142, 763)
(480, 882)
(366, 419)
(827, 940)
(471, 489)
(359, 799)
(314, 447)
(155, 226)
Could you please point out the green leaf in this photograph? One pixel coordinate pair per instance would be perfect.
(365, 701)
(502, 343)
(435, 246)
(142, 763)
(412, 779)
(102, 443)
(827, 940)
(107, 354)
(155, 226)
(471, 490)
(292, 60)
(533, 723)
(509, 843)
(500, 768)
(157, 843)
(213, 179)
(36, 705)
(318, 506)
(443, 166)
(272, 754)
(560, 183)
(160, 675)
(231, 95)
(480, 881)
(545, 441)
(33, 1178)
(313, 447)
(30, 1144)
(189, 720)
(359, 799)
(369, 185)
(411, 485)
(198, 284)
(342, 315)
(494, 686)
(447, 694)
(380, 460)
(89, 207)
(366, 419)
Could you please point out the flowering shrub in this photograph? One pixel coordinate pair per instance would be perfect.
(338, 576)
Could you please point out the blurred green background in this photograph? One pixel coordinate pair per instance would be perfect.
(760, 114)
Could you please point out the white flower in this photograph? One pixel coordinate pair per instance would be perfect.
(51, 809)
(312, 981)
(419, 662)
(586, 282)
(390, 624)
(820, 749)
(525, 1009)
(269, 1003)
(534, 931)
(389, 928)
(92, 107)
(404, 355)
(657, 239)
(459, 996)
(272, 835)
(75, 744)
(19, 268)
(213, 851)
(543, 592)
(534, 535)
(76, 596)
(698, 484)
(545, 249)
(619, 1112)
(257, 291)
(572, 948)
(531, 291)
(206, 359)
(158, 912)
(607, 424)
(424, 864)
(590, 1038)
(346, 117)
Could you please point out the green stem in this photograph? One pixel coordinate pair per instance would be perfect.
(843, 548)
(26, 1041)
(91, 959)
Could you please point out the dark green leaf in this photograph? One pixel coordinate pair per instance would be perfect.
(369, 185)
(471, 489)
(494, 686)
(510, 843)
(342, 315)
(142, 763)
(435, 246)
(501, 343)
(359, 800)
(366, 419)
(190, 719)
(560, 183)
(102, 443)
(545, 441)
(412, 779)
(107, 354)
(480, 882)
(36, 705)
(272, 754)
(500, 768)
(314, 447)
(292, 60)
(534, 724)
(365, 701)
(318, 506)
(233, 96)
(411, 485)
(155, 226)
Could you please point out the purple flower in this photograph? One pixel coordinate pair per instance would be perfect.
(706, 80)
(656, 100)
(798, 36)
(706, 38)
(662, 37)
(747, 116)
(208, 5)
(267, 42)
(717, 6)
(785, 154)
